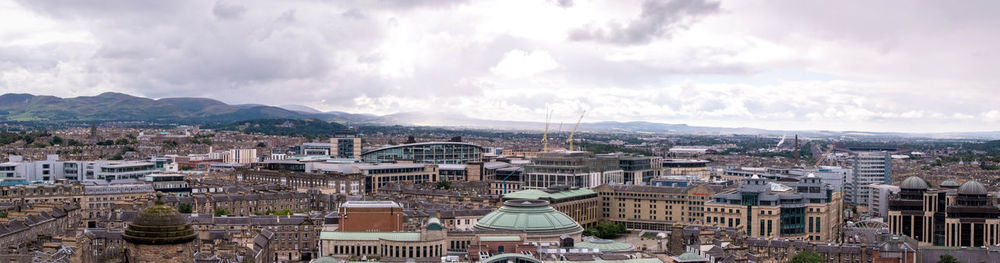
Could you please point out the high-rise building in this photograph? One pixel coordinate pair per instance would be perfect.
(870, 167)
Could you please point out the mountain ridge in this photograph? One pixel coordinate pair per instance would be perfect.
(113, 106)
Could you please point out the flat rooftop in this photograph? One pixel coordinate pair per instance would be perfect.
(370, 204)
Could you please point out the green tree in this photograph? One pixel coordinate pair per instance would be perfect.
(443, 185)
(57, 140)
(221, 212)
(121, 141)
(948, 259)
(169, 145)
(283, 212)
(807, 257)
(184, 208)
(261, 145)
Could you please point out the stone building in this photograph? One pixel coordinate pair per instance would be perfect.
(159, 234)
(963, 217)
(807, 209)
(653, 207)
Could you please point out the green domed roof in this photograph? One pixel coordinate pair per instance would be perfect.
(605, 245)
(531, 216)
(159, 225)
(914, 183)
(689, 257)
(972, 188)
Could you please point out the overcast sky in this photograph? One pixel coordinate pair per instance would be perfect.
(843, 65)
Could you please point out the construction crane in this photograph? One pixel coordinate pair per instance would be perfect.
(827, 152)
(545, 135)
(570, 139)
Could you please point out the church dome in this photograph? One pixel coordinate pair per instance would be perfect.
(535, 217)
(914, 183)
(972, 188)
(159, 225)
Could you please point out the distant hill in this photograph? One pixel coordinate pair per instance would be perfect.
(288, 127)
(122, 107)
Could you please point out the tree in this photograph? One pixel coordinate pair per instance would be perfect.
(606, 230)
(283, 212)
(57, 140)
(121, 141)
(443, 185)
(807, 257)
(261, 145)
(184, 208)
(221, 212)
(168, 145)
(948, 259)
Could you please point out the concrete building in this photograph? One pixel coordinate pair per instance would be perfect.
(370, 216)
(804, 210)
(243, 156)
(572, 168)
(878, 199)
(870, 167)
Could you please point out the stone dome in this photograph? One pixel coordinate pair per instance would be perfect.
(949, 184)
(914, 183)
(535, 217)
(159, 225)
(972, 188)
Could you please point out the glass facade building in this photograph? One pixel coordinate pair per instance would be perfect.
(428, 152)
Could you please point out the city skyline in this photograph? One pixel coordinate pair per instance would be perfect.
(885, 66)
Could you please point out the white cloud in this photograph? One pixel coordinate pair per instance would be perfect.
(519, 64)
(766, 64)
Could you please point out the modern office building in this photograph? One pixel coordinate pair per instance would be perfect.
(878, 199)
(572, 168)
(638, 169)
(653, 207)
(870, 167)
(345, 146)
(315, 148)
(17, 171)
(949, 217)
(686, 167)
(804, 210)
(426, 152)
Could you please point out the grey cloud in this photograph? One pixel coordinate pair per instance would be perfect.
(658, 19)
(564, 3)
(227, 11)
